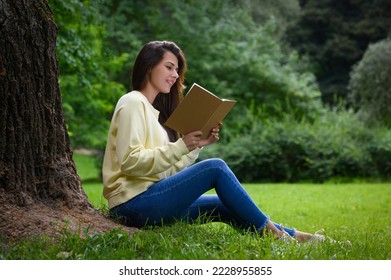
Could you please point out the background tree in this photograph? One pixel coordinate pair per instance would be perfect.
(370, 84)
(39, 187)
(285, 12)
(335, 35)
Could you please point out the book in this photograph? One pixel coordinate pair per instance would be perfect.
(199, 110)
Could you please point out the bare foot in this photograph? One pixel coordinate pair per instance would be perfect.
(302, 237)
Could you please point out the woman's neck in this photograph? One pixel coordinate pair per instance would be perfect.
(149, 92)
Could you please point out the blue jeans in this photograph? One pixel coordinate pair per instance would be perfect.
(182, 197)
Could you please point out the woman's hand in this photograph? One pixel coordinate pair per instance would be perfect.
(213, 137)
(193, 139)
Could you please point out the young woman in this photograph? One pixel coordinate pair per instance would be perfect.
(148, 171)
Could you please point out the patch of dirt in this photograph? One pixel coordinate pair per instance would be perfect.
(35, 220)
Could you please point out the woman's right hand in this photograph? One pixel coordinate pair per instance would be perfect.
(192, 140)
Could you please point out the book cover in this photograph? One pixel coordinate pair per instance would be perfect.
(199, 110)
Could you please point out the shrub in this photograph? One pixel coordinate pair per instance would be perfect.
(336, 144)
(379, 149)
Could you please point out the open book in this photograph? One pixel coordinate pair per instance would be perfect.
(199, 110)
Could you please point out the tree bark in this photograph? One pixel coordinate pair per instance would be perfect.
(37, 172)
(35, 155)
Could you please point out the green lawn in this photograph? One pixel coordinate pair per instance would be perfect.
(359, 212)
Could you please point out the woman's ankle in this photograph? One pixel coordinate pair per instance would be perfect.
(273, 230)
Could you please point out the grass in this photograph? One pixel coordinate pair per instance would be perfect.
(359, 212)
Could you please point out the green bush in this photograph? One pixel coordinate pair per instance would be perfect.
(336, 144)
(379, 149)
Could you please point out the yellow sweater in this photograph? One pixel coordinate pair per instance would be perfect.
(138, 152)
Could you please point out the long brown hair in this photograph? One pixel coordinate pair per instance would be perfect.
(150, 55)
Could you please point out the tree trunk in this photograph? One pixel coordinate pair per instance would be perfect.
(39, 185)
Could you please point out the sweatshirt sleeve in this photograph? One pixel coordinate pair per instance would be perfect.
(133, 138)
(186, 161)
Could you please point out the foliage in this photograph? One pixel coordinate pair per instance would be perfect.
(370, 84)
(284, 11)
(335, 35)
(85, 66)
(345, 211)
(336, 144)
(379, 149)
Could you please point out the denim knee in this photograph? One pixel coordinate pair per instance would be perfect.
(216, 163)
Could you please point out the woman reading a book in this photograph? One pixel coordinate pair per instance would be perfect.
(149, 171)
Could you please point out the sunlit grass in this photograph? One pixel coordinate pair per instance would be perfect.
(356, 212)
(359, 212)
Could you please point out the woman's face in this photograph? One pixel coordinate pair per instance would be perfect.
(164, 75)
